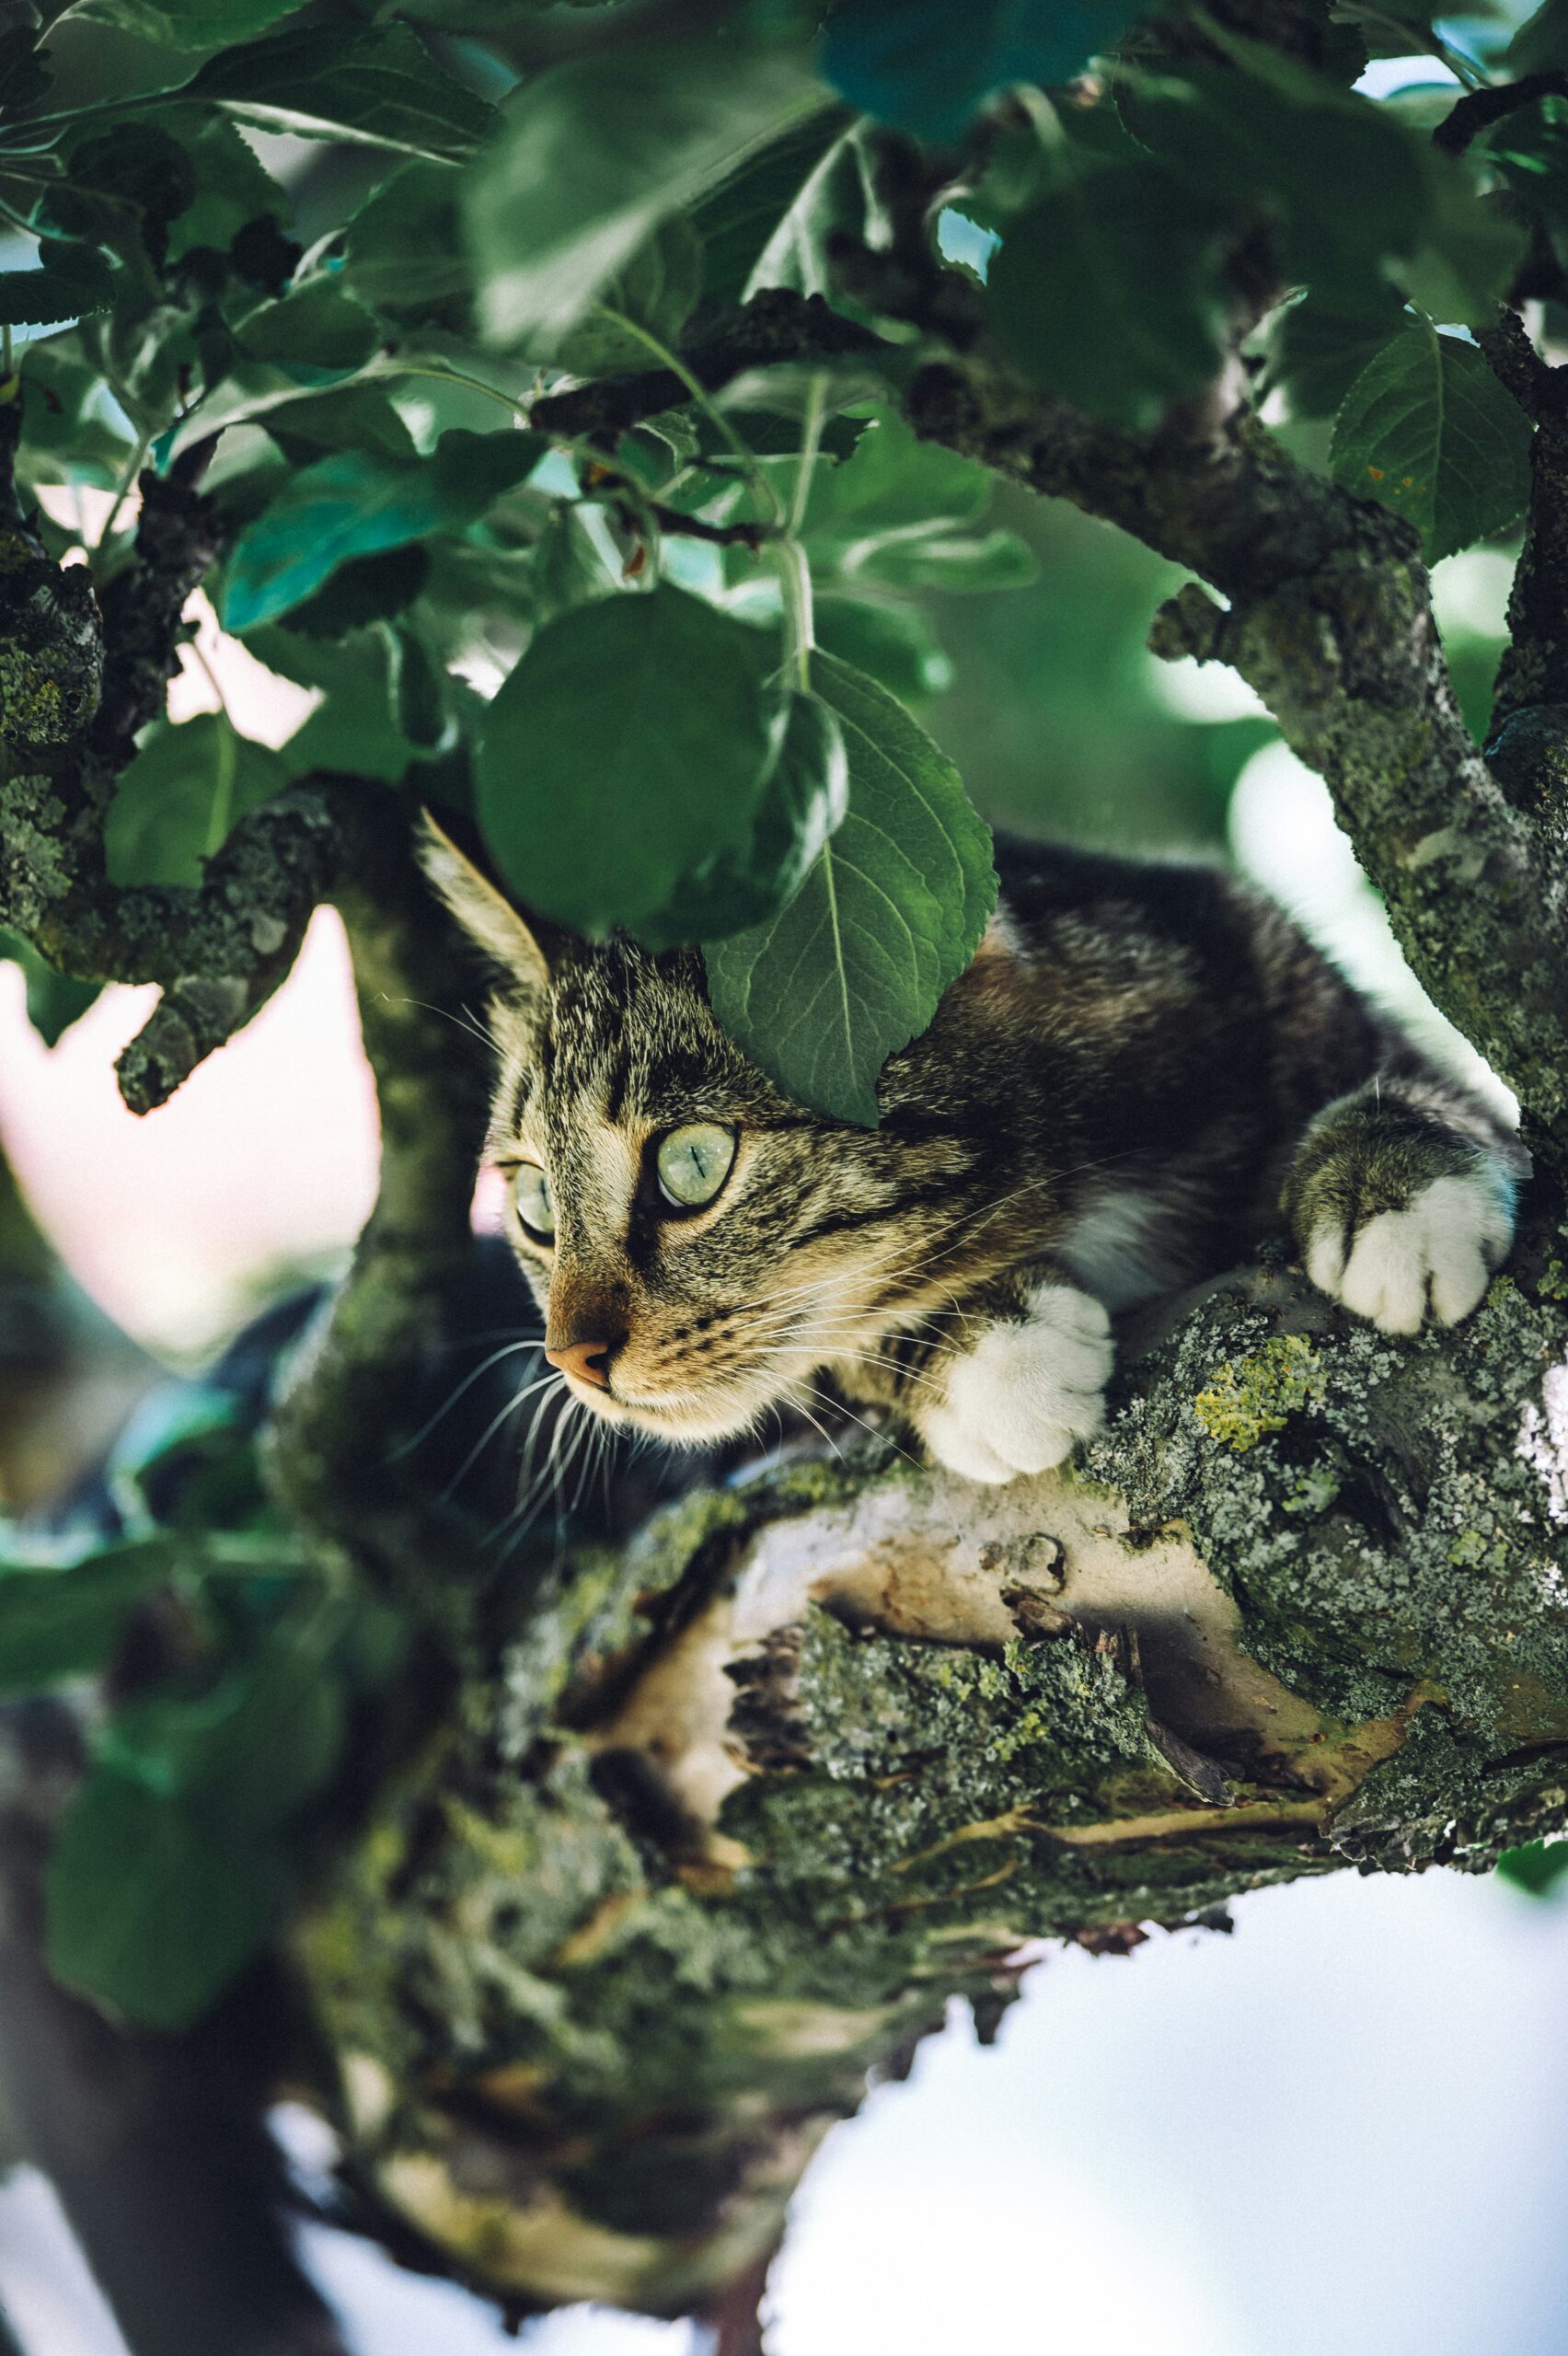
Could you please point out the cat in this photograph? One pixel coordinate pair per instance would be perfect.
(1144, 1069)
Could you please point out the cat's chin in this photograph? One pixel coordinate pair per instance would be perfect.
(681, 1423)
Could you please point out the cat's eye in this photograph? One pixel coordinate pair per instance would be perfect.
(693, 1163)
(531, 1193)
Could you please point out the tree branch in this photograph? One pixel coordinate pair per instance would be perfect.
(726, 1817)
(1477, 110)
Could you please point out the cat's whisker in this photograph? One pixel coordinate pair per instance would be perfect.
(543, 1383)
(512, 1349)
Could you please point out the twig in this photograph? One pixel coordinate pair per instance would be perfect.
(1472, 114)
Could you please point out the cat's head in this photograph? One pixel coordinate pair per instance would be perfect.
(699, 1243)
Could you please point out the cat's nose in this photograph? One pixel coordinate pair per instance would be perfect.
(589, 1360)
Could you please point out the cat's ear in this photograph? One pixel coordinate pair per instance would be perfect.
(486, 915)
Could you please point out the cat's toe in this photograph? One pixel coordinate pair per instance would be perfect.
(1434, 1257)
(1028, 1392)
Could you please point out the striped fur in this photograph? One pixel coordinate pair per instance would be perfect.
(1144, 1062)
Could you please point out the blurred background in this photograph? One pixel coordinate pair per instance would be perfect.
(1346, 2121)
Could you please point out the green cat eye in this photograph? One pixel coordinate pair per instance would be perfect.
(531, 1191)
(694, 1164)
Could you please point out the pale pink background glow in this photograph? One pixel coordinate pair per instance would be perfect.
(265, 1159)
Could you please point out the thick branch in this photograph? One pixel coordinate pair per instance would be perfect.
(732, 1812)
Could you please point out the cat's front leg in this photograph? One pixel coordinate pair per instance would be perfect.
(1401, 1200)
(1020, 1389)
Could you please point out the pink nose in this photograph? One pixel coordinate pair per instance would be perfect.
(588, 1361)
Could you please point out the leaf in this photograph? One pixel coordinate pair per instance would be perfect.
(736, 220)
(1472, 246)
(54, 1000)
(367, 589)
(147, 1912)
(1345, 182)
(319, 324)
(59, 1620)
(1538, 1867)
(234, 191)
(1314, 352)
(853, 967)
(589, 158)
(913, 63)
(357, 502)
(896, 643)
(893, 482)
(950, 561)
(657, 290)
(72, 429)
(837, 200)
(74, 280)
(404, 249)
(1428, 431)
(1109, 291)
(180, 797)
(342, 415)
(629, 746)
(803, 801)
(355, 727)
(207, 24)
(376, 86)
(1541, 43)
(254, 1747)
(122, 189)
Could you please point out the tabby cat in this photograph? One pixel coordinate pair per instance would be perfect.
(1143, 1069)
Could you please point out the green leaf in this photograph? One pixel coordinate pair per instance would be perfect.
(1538, 1867)
(357, 502)
(54, 1000)
(319, 325)
(180, 797)
(590, 156)
(234, 189)
(60, 1620)
(912, 62)
(355, 727)
(375, 87)
(655, 290)
(894, 482)
(1345, 182)
(367, 589)
(1473, 245)
(1314, 352)
(74, 280)
(892, 912)
(895, 642)
(148, 1912)
(404, 249)
(1427, 430)
(952, 562)
(838, 199)
(205, 25)
(1541, 43)
(343, 415)
(736, 220)
(122, 189)
(254, 1747)
(71, 431)
(1109, 291)
(629, 746)
(803, 801)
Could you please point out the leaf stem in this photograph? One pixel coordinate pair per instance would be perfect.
(810, 443)
(795, 575)
(762, 490)
(124, 489)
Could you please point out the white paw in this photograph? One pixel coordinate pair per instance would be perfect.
(1437, 1254)
(1027, 1392)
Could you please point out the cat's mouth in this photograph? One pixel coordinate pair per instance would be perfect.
(686, 1417)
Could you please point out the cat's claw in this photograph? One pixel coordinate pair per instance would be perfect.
(1027, 1393)
(1434, 1257)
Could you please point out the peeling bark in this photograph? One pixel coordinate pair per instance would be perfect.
(726, 1817)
